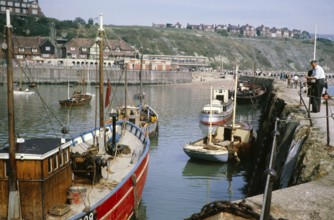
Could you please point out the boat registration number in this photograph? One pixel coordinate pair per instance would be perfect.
(89, 216)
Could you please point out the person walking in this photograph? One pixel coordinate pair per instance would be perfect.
(318, 79)
(295, 81)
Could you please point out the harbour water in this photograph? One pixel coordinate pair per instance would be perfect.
(176, 186)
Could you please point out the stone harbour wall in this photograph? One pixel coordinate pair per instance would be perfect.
(61, 75)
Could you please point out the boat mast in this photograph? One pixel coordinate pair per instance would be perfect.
(235, 96)
(20, 77)
(210, 117)
(101, 75)
(125, 91)
(140, 77)
(14, 195)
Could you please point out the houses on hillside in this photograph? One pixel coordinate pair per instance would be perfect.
(21, 7)
(83, 48)
(84, 52)
(244, 30)
(41, 49)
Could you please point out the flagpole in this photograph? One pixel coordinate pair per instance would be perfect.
(315, 42)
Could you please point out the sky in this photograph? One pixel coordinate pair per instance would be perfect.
(293, 14)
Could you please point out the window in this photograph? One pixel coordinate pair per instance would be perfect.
(34, 12)
(24, 5)
(2, 3)
(66, 156)
(84, 49)
(10, 3)
(47, 48)
(34, 50)
(6, 168)
(50, 165)
(17, 4)
(61, 158)
(55, 161)
(72, 48)
(21, 49)
(17, 10)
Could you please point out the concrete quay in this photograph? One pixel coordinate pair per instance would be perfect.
(314, 199)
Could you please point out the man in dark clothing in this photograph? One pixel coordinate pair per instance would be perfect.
(318, 80)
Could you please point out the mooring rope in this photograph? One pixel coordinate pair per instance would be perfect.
(238, 209)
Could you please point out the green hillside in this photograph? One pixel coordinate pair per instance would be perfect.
(263, 53)
(267, 54)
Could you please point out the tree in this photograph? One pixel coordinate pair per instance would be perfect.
(79, 20)
(90, 21)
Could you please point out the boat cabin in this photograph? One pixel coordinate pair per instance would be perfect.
(130, 112)
(224, 95)
(43, 173)
(237, 134)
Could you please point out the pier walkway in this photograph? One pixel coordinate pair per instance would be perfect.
(312, 200)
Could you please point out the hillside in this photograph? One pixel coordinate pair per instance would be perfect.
(267, 54)
(264, 53)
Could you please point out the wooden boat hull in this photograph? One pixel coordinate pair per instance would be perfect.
(118, 202)
(248, 99)
(250, 93)
(84, 100)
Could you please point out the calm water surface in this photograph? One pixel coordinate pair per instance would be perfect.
(176, 186)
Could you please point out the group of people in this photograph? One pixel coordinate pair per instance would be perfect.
(316, 80)
(293, 81)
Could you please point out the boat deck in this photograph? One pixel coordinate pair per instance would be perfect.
(118, 168)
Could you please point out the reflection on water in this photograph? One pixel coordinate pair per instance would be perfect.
(176, 187)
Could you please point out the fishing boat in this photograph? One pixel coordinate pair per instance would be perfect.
(230, 141)
(248, 92)
(143, 115)
(78, 98)
(99, 174)
(220, 109)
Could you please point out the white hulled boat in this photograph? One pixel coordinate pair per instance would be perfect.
(229, 141)
(220, 108)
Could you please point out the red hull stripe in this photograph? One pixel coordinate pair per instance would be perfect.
(121, 205)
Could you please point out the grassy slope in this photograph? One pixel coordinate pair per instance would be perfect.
(263, 53)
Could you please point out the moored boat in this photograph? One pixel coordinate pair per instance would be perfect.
(248, 92)
(23, 92)
(142, 115)
(99, 174)
(77, 99)
(220, 108)
(229, 141)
